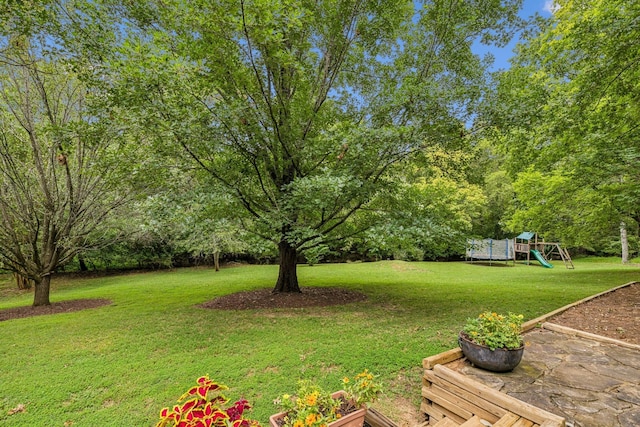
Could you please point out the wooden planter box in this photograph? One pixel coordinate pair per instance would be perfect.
(354, 419)
(450, 399)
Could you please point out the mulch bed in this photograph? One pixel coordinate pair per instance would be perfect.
(56, 307)
(615, 315)
(265, 298)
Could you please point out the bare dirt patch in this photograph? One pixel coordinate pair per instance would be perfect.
(264, 298)
(54, 308)
(615, 314)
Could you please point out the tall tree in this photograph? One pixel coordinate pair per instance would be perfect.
(303, 109)
(431, 211)
(570, 107)
(59, 166)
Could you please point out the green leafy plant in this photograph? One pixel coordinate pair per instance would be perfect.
(203, 407)
(495, 330)
(362, 389)
(313, 407)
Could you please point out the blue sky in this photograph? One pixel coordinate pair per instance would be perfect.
(530, 7)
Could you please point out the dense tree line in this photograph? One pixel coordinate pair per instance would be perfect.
(566, 117)
(142, 133)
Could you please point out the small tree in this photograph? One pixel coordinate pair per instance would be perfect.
(195, 220)
(59, 168)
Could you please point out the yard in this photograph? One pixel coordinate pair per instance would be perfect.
(119, 364)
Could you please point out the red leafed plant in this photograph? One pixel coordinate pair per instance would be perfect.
(202, 406)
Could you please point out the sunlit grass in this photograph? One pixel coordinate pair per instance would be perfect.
(119, 365)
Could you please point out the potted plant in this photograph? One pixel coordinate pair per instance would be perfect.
(204, 406)
(312, 407)
(493, 341)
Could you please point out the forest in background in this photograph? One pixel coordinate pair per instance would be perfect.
(164, 133)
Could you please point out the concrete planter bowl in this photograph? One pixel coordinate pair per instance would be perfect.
(498, 360)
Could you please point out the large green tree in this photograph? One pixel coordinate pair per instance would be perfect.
(569, 107)
(304, 110)
(431, 212)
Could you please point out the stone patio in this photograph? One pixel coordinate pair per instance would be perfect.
(591, 381)
(576, 378)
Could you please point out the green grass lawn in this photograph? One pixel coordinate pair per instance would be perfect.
(119, 365)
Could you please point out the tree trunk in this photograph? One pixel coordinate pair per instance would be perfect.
(216, 260)
(41, 294)
(288, 275)
(23, 282)
(83, 264)
(624, 242)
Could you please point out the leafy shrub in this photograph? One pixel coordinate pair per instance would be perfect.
(204, 408)
(495, 330)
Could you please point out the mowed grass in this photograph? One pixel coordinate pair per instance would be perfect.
(119, 365)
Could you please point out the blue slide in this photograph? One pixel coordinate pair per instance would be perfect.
(541, 259)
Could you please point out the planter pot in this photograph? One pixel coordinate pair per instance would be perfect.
(498, 360)
(353, 419)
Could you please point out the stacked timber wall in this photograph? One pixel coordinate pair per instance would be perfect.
(450, 399)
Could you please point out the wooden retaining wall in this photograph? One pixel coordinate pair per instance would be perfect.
(450, 399)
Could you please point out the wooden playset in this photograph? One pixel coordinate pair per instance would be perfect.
(527, 244)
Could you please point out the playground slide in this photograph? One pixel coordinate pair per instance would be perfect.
(541, 259)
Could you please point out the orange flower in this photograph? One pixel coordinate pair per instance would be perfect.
(311, 418)
(312, 399)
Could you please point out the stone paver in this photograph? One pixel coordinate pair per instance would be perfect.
(588, 382)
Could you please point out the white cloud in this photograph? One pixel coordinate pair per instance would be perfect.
(551, 6)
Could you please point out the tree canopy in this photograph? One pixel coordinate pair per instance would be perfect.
(360, 126)
(567, 112)
(304, 111)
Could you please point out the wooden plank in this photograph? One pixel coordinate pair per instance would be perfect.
(442, 398)
(587, 335)
(472, 422)
(553, 423)
(447, 422)
(425, 381)
(508, 420)
(442, 358)
(487, 411)
(512, 404)
(523, 422)
(539, 320)
(447, 413)
(455, 397)
(376, 419)
(437, 412)
(483, 408)
(433, 413)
